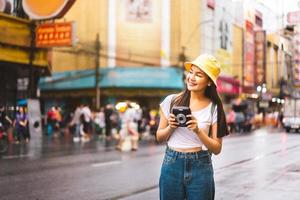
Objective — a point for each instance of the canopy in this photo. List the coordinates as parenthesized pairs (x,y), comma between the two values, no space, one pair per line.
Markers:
(118,77)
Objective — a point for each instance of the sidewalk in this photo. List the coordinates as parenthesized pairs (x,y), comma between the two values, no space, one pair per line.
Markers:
(48,146)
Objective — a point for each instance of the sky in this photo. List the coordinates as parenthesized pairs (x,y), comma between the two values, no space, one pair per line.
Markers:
(276,18)
(280,6)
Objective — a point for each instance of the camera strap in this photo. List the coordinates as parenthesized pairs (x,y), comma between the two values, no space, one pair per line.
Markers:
(172,103)
(211,117)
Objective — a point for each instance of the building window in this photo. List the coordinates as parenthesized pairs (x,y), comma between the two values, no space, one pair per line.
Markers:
(139,10)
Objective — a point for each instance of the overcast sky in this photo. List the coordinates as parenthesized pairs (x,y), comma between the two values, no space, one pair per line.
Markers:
(280,6)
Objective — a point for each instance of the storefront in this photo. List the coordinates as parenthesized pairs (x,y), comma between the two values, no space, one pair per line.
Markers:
(21,64)
(144,85)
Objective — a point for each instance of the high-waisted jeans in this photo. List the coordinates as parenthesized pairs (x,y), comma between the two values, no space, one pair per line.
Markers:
(186,176)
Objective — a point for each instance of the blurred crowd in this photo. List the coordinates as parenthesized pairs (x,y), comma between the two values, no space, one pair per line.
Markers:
(112,122)
(121,123)
(241,118)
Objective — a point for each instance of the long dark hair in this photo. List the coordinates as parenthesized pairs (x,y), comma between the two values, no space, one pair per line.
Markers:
(183,99)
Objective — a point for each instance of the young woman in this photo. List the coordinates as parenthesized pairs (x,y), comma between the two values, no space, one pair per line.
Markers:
(187,171)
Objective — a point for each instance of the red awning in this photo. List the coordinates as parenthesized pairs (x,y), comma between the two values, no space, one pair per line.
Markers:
(228,85)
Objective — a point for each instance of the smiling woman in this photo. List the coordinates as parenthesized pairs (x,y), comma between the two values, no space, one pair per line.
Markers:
(189,148)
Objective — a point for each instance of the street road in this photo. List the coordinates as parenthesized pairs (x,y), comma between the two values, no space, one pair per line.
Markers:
(262,165)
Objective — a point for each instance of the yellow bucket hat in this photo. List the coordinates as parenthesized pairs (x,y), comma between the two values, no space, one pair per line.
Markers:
(208,64)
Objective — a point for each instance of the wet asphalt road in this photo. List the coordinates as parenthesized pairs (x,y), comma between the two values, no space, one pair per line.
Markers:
(262,165)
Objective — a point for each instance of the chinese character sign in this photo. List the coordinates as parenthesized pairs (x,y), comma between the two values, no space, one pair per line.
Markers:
(55,34)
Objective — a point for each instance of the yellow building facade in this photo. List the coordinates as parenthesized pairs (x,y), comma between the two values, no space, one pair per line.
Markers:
(127,40)
(150,33)
(90,18)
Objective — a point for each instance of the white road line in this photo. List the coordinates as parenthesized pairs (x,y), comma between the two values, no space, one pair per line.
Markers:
(16,156)
(106,163)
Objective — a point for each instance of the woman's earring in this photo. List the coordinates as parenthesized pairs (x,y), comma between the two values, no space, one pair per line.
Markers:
(208,85)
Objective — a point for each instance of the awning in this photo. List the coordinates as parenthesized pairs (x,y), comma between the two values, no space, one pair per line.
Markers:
(118,77)
(228,85)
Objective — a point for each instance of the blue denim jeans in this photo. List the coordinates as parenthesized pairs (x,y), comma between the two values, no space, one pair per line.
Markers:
(186,176)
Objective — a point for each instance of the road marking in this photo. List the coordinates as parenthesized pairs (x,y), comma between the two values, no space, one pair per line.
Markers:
(129,194)
(16,156)
(106,163)
(255,158)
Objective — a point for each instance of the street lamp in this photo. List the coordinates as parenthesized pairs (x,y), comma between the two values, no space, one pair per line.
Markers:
(258,89)
(261,88)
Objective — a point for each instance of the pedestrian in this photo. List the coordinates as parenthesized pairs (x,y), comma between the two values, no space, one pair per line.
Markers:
(108,111)
(51,120)
(57,121)
(99,121)
(187,171)
(85,118)
(128,128)
(21,125)
(230,118)
(75,123)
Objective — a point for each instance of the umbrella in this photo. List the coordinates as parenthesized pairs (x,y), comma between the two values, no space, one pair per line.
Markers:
(22,102)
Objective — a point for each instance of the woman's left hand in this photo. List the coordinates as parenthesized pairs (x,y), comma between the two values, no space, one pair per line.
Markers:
(192,124)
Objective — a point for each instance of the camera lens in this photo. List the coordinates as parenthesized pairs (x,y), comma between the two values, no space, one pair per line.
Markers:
(181,119)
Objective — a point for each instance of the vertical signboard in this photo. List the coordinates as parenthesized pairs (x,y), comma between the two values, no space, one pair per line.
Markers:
(248,71)
(296,55)
(260,57)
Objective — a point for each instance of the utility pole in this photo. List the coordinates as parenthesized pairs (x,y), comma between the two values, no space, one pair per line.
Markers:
(182,59)
(32,77)
(97,67)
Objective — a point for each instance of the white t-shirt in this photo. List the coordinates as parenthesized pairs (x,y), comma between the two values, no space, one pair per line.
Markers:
(184,138)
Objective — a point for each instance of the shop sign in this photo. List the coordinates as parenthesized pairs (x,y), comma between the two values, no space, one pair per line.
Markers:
(22,84)
(55,34)
(296,57)
(37,9)
(260,57)
(248,71)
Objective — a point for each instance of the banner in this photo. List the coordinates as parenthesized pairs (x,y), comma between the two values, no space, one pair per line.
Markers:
(260,57)
(248,71)
(296,57)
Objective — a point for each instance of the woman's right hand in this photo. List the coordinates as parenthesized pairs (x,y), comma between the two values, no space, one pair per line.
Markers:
(173,124)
